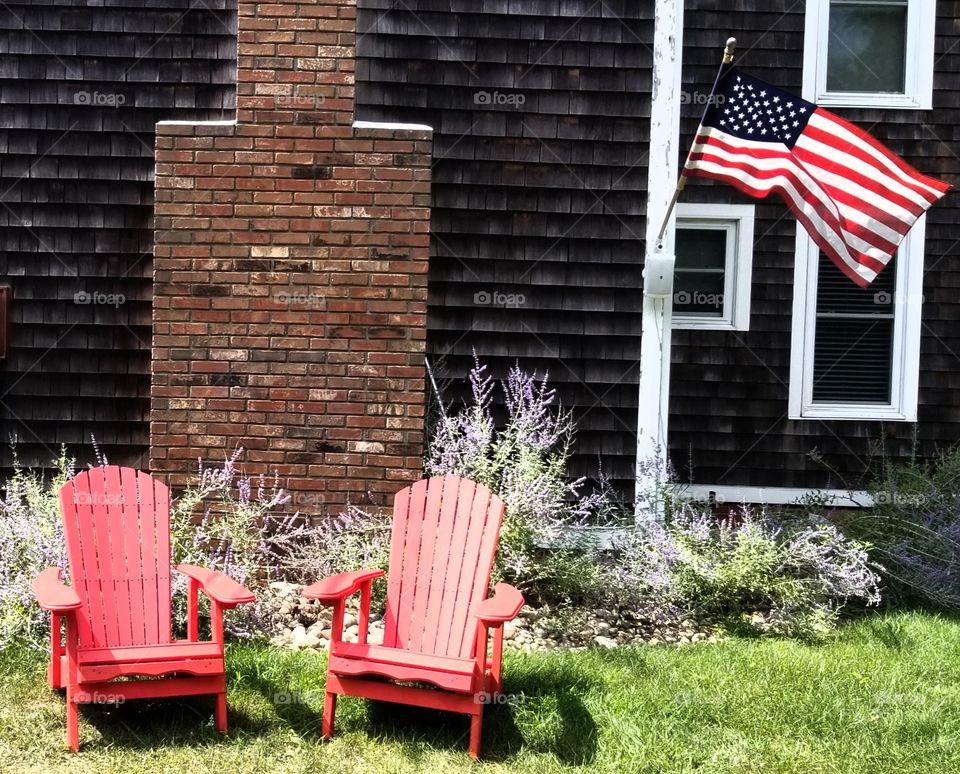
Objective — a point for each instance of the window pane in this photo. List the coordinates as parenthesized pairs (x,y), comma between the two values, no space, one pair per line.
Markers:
(867,47)
(701,248)
(698,293)
(853,346)
(699,276)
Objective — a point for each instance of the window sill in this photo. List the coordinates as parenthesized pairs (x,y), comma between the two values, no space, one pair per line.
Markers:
(853,413)
(868,100)
(705,324)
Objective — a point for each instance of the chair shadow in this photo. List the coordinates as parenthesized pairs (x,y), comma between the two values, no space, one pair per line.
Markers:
(148,723)
(564,729)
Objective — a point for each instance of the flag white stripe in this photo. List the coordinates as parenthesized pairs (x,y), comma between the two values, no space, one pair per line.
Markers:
(854,241)
(840,160)
(827,124)
(815,218)
(862,218)
(841,210)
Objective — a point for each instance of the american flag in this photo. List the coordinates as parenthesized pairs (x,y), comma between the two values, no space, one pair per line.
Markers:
(855,197)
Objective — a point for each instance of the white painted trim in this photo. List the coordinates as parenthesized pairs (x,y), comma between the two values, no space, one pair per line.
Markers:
(772,495)
(738,220)
(662,175)
(392,126)
(905,362)
(918,78)
(224,122)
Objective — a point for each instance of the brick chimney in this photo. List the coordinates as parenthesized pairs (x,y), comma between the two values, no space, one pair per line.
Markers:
(290,274)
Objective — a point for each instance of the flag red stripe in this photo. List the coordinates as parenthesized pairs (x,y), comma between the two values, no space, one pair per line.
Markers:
(827,218)
(833,220)
(814,133)
(853,200)
(807,157)
(821,242)
(837,221)
(909,173)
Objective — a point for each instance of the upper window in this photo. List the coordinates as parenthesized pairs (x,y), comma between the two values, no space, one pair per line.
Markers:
(855,351)
(711,281)
(869,53)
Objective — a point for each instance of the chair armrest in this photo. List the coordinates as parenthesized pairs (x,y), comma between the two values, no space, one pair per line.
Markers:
(223,590)
(336,587)
(53,594)
(503,606)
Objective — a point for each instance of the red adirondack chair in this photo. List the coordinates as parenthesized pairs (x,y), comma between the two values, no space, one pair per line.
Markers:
(438,616)
(117,610)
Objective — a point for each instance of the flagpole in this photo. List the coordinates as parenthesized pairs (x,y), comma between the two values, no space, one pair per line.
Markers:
(682,180)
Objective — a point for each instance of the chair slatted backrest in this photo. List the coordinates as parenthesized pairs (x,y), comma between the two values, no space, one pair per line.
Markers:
(117,527)
(442,546)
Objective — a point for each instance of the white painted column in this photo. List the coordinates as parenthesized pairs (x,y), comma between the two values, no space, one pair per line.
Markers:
(662,176)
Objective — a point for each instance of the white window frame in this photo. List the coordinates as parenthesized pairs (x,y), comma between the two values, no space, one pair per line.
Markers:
(737,220)
(918,78)
(905,360)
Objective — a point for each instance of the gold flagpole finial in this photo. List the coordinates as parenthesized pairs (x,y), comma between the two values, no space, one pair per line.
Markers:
(728,51)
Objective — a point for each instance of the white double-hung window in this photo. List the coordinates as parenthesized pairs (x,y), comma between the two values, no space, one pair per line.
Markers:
(869,53)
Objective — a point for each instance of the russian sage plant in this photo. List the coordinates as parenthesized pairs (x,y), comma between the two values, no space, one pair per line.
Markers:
(913,528)
(31,539)
(797,575)
(524,462)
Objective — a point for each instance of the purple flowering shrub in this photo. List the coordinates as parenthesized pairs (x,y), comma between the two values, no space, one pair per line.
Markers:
(302,551)
(913,529)
(224,521)
(794,576)
(31,539)
(524,462)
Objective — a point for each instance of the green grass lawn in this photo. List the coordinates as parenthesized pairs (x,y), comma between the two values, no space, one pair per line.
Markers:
(882,696)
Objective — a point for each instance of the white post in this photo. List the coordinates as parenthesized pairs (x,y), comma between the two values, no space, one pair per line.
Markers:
(662,176)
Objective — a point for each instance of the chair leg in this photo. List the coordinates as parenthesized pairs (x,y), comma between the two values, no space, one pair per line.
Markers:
(476,724)
(329,713)
(221,713)
(73,722)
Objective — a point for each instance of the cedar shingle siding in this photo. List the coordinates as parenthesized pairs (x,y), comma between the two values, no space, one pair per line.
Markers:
(541,112)
(81,88)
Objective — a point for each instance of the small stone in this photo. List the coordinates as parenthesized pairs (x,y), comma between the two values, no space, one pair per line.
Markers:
(349,620)
(283,589)
(298,637)
(604,642)
(509,631)
(326,633)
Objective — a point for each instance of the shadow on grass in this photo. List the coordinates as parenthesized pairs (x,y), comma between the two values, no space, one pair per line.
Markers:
(150,723)
(541,710)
